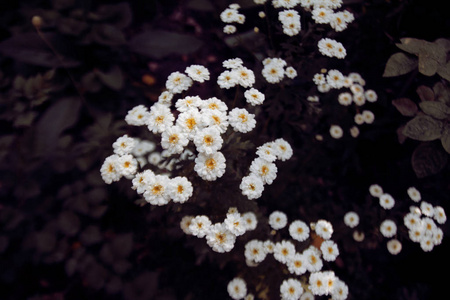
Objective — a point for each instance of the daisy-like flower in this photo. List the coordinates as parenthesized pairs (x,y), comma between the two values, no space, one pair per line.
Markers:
(335,79)
(438,235)
(375,190)
(252,186)
(178,82)
(143,147)
(140,181)
(229,15)
(414,194)
(255,251)
(351,219)
(197,73)
(174,139)
(210,166)
(241,120)
(313,261)
(208,140)
(357,89)
(188,103)
(250,220)
(359,99)
(269,246)
(345,99)
(156,192)
(429,226)
(216,119)
(233,63)
(324,229)
(368,116)
(427,209)
(273,72)
(283,251)
(356,78)
(190,121)
(322,15)
(154,158)
(339,291)
(354,131)
(297,264)
(337,21)
(220,239)
(124,145)
(267,152)
(180,189)
(235,223)
(416,234)
(137,116)
(228,79)
(340,51)
(290,72)
(200,226)
(254,97)
(336,131)
(427,243)
(331,48)
(394,246)
(277,220)
(291,289)
(319,79)
(439,215)
(237,288)
(292,27)
(165,98)
(213,104)
(110,170)
(359,119)
(387,201)
(229,29)
(127,165)
(329,250)
(371,95)
(160,118)
(246,77)
(388,228)
(299,231)
(185,223)
(283,149)
(266,170)
(319,282)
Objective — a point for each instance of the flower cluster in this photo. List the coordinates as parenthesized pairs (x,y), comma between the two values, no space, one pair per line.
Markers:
(231,15)
(275,68)
(263,169)
(221,236)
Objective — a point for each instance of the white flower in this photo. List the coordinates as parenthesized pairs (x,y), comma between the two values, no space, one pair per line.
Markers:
(143,147)
(394,246)
(210,166)
(354,131)
(277,220)
(250,221)
(190,121)
(266,170)
(283,251)
(336,131)
(376,190)
(339,290)
(245,76)
(351,219)
(319,79)
(357,89)
(329,250)
(127,165)
(321,15)
(416,234)
(359,119)
(178,82)
(165,98)
(254,97)
(232,63)
(220,239)
(359,99)
(252,186)
(291,289)
(160,118)
(313,261)
(255,251)
(229,29)
(427,209)
(414,194)
(439,215)
(187,103)
(307,295)
(290,72)
(241,120)
(337,21)
(154,158)
(137,116)
(235,223)
(427,243)
(412,221)
(140,181)
(197,73)
(388,228)
(371,95)
(331,48)
(322,283)
(156,192)
(229,15)
(267,152)
(200,226)
(368,116)
(269,246)
(345,98)
(124,145)
(292,27)
(185,223)
(216,119)
(180,189)
(109,169)
(213,104)
(299,231)
(335,79)
(174,139)
(297,264)
(387,201)
(237,289)
(228,79)
(208,140)
(324,229)
(273,72)
(283,149)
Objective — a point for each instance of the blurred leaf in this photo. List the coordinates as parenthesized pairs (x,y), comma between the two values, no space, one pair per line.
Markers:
(106,34)
(25,119)
(68,223)
(27,189)
(62,115)
(405,106)
(122,245)
(112,79)
(118,15)
(30,48)
(428,159)
(63,4)
(44,241)
(71,26)
(425,93)
(435,109)
(444,71)
(444,43)
(445,138)
(158,43)
(200,5)
(423,128)
(91,82)
(90,235)
(399,64)
(427,65)
(144,286)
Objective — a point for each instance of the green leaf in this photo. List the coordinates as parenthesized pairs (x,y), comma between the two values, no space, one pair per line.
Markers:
(405,106)
(423,128)
(428,159)
(112,79)
(399,64)
(157,43)
(445,138)
(435,109)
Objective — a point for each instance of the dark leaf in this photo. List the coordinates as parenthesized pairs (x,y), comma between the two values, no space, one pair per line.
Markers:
(108,35)
(119,14)
(428,159)
(425,93)
(399,64)
(435,109)
(444,71)
(405,106)
(423,128)
(445,138)
(68,223)
(112,79)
